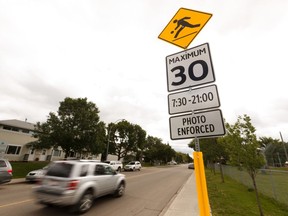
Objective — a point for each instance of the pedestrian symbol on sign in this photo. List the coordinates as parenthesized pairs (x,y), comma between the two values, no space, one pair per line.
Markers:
(183,23)
(184,27)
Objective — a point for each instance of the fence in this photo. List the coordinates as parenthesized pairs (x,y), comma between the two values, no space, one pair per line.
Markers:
(272,183)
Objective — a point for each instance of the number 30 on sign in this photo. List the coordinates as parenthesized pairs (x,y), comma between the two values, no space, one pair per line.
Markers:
(189,68)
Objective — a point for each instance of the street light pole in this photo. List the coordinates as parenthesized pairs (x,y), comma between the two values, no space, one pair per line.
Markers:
(284,147)
(108,136)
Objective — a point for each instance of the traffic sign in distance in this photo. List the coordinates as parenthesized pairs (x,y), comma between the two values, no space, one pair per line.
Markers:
(189,68)
(201,124)
(193,100)
(184,27)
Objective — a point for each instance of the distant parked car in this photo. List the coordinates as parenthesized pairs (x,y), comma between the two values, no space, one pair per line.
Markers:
(191,166)
(172,163)
(132,166)
(117,165)
(5,171)
(77,183)
(36,175)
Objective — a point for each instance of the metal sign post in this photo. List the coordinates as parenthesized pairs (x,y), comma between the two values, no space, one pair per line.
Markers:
(197,145)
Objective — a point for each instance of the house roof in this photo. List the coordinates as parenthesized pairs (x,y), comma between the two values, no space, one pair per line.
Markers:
(18,124)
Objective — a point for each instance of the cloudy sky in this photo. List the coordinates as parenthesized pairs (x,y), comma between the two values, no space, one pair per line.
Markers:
(109,52)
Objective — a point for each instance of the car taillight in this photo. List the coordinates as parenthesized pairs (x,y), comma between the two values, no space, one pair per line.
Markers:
(72,185)
(39,181)
(9,171)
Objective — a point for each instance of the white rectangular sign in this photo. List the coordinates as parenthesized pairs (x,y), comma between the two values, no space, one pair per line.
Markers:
(191,67)
(201,124)
(193,100)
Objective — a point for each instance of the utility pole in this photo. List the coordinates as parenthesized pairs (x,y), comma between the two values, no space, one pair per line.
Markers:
(284,147)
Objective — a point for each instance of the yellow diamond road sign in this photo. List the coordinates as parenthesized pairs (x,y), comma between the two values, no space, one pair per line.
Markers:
(184,27)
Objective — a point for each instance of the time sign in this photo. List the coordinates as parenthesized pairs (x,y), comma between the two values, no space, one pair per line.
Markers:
(193,100)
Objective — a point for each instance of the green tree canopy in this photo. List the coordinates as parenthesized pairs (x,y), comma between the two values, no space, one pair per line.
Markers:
(274,150)
(243,148)
(241,143)
(212,150)
(126,138)
(76,127)
(157,151)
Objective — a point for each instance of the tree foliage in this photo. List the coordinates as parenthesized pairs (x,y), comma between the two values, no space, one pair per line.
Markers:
(182,158)
(241,143)
(213,151)
(157,151)
(75,127)
(126,138)
(274,151)
(243,148)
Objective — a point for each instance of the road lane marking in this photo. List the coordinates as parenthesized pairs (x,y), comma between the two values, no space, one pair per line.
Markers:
(16,203)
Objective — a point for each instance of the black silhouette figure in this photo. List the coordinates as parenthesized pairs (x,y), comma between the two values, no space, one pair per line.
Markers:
(182,23)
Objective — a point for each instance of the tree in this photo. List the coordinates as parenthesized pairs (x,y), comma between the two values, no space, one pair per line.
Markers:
(213,151)
(126,138)
(243,148)
(273,151)
(150,150)
(182,158)
(76,127)
(156,151)
(139,139)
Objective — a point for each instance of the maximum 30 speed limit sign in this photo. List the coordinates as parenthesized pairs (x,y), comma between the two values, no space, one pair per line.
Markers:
(189,68)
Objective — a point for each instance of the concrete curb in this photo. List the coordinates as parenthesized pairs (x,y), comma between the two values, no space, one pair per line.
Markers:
(17,181)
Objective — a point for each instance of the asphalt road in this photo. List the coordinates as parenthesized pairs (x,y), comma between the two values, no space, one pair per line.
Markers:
(147,193)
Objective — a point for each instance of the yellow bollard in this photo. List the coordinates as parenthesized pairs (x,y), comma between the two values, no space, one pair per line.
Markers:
(203,201)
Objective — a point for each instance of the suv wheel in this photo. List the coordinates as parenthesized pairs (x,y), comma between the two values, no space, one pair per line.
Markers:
(85,203)
(120,190)
(119,169)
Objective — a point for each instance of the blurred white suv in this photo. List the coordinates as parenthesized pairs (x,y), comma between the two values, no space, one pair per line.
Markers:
(132,166)
(117,165)
(78,183)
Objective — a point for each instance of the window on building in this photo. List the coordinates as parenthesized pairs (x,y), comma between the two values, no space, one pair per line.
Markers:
(57,153)
(25,131)
(32,151)
(10,128)
(44,152)
(12,149)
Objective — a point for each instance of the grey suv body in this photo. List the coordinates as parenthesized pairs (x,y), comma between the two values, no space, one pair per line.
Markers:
(5,171)
(78,183)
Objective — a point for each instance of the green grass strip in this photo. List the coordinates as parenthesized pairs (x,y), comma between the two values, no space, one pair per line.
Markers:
(232,198)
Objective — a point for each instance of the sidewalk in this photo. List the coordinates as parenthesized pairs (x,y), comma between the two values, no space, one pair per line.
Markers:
(185,202)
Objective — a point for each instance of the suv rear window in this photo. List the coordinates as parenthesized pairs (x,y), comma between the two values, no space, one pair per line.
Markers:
(60,170)
(2,163)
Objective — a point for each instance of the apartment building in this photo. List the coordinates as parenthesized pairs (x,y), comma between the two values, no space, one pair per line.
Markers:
(14,137)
